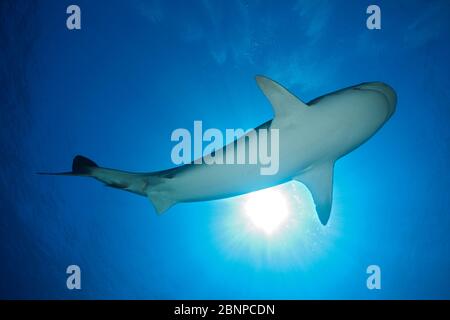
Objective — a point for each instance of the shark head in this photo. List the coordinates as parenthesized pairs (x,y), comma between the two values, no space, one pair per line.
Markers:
(386,92)
(365,108)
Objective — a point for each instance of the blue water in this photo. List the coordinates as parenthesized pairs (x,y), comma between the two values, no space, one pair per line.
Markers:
(116,89)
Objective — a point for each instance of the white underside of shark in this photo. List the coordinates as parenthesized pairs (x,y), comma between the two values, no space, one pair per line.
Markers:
(312,137)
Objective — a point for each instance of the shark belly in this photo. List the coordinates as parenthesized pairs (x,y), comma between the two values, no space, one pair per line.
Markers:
(200,182)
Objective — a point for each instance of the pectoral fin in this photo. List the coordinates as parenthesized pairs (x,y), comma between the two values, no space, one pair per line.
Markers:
(319,181)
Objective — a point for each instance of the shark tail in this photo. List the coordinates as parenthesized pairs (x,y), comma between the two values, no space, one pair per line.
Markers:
(151,185)
(81,166)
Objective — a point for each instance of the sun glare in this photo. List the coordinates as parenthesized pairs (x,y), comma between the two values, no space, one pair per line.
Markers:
(267,210)
(275,228)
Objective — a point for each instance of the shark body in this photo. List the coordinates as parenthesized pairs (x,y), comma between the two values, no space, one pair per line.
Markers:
(312,136)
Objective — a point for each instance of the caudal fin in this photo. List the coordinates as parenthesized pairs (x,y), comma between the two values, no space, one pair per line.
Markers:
(151,185)
(81,166)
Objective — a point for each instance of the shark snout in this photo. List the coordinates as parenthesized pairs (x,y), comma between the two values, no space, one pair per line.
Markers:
(387,91)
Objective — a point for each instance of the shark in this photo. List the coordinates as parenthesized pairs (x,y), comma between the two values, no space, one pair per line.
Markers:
(312,137)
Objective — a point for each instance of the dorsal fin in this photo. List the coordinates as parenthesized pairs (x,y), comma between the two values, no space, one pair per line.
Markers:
(283,102)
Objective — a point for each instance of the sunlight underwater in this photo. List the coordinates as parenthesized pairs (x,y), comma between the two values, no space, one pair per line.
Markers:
(275,228)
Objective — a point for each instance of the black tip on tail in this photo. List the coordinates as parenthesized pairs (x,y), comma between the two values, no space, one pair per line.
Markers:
(80,166)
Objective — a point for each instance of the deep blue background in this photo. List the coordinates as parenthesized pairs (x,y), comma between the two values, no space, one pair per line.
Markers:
(137,70)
